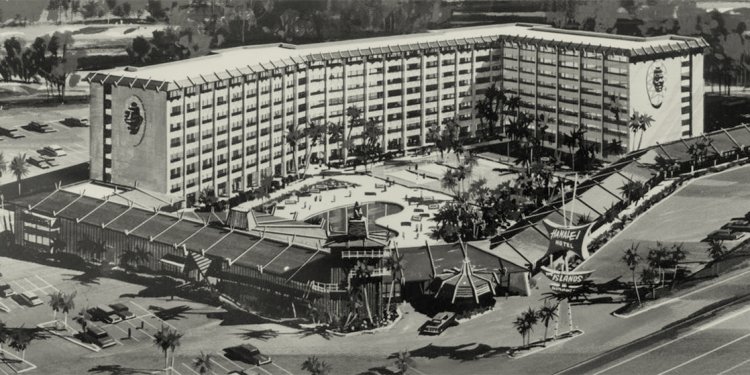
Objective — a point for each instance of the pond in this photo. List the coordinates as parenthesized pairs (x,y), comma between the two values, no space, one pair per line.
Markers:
(337,217)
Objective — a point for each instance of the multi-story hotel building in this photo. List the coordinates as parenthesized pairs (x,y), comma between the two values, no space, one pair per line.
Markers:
(220,121)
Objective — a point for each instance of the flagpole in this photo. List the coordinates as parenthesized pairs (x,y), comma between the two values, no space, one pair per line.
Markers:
(573,203)
(565,217)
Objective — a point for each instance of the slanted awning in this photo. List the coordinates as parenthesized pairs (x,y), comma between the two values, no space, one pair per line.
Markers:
(174,260)
(201,263)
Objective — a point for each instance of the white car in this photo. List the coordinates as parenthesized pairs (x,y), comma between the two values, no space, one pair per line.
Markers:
(55,150)
(31,299)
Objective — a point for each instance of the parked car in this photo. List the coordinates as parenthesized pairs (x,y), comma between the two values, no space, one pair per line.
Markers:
(6,291)
(439,323)
(75,122)
(104,314)
(30,299)
(98,336)
(122,311)
(38,162)
(248,353)
(243,372)
(41,128)
(55,150)
(11,133)
(724,235)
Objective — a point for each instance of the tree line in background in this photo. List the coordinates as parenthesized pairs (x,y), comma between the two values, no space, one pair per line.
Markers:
(203,24)
(728,60)
(49,60)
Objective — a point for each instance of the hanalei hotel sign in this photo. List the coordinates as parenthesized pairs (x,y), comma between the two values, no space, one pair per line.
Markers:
(568,238)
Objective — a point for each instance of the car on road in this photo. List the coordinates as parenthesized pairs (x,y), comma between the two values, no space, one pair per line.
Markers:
(122,311)
(439,323)
(248,353)
(98,336)
(55,150)
(41,128)
(104,314)
(11,133)
(6,290)
(31,299)
(243,372)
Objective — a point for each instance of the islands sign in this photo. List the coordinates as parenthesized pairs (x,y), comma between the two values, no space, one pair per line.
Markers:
(565,281)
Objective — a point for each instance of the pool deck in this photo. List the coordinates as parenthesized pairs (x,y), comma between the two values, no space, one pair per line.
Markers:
(416,234)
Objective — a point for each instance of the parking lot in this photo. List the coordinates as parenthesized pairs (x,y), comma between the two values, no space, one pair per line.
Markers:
(208,329)
(73,140)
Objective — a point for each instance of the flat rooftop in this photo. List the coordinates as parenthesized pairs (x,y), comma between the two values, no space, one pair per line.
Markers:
(224,64)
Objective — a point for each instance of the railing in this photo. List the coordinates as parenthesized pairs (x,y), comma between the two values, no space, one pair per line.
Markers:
(325,287)
(366,253)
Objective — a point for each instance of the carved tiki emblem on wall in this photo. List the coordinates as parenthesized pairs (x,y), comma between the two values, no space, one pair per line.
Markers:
(134,115)
(655,83)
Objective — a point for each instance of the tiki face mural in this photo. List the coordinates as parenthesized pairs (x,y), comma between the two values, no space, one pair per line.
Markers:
(655,83)
(134,115)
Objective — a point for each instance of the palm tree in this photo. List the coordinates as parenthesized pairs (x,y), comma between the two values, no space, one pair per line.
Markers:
(546,313)
(3,164)
(293,136)
(677,255)
(202,363)
(336,135)
(632,259)
(650,277)
(20,339)
(67,304)
(20,168)
(361,273)
(698,150)
(449,181)
(403,361)
(315,366)
(4,334)
(639,123)
(134,256)
(716,250)
(531,318)
(522,326)
(314,133)
(55,302)
(633,191)
(167,339)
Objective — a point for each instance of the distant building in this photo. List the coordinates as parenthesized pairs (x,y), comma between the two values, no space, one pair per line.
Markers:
(220,121)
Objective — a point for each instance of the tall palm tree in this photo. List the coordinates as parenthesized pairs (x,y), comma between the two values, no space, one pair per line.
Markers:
(531,318)
(67,304)
(336,136)
(522,326)
(167,339)
(3,164)
(293,136)
(639,123)
(314,133)
(202,363)
(546,314)
(55,302)
(362,273)
(632,259)
(449,181)
(20,168)
(315,366)
(677,255)
(633,191)
(403,361)
(20,339)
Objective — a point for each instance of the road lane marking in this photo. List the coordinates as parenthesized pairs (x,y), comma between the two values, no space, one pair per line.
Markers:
(415,370)
(697,330)
(261,369)
(33,286)
(152,314)
(191,370)
(691,360)
(734,367)
(171,370)
(19,286)
(281,368)
(219,364)
(125,332)
(48,284)
(143,331)
(230,361)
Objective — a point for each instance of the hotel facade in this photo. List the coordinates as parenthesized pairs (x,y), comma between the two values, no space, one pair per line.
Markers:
(220,121)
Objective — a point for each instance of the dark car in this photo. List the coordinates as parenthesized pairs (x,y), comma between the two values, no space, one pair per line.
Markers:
(248,353)
(439,323)
(6,291)
(74,122)
(41,128)
(724,235)
(122,311)
(104,314)
(98,336)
